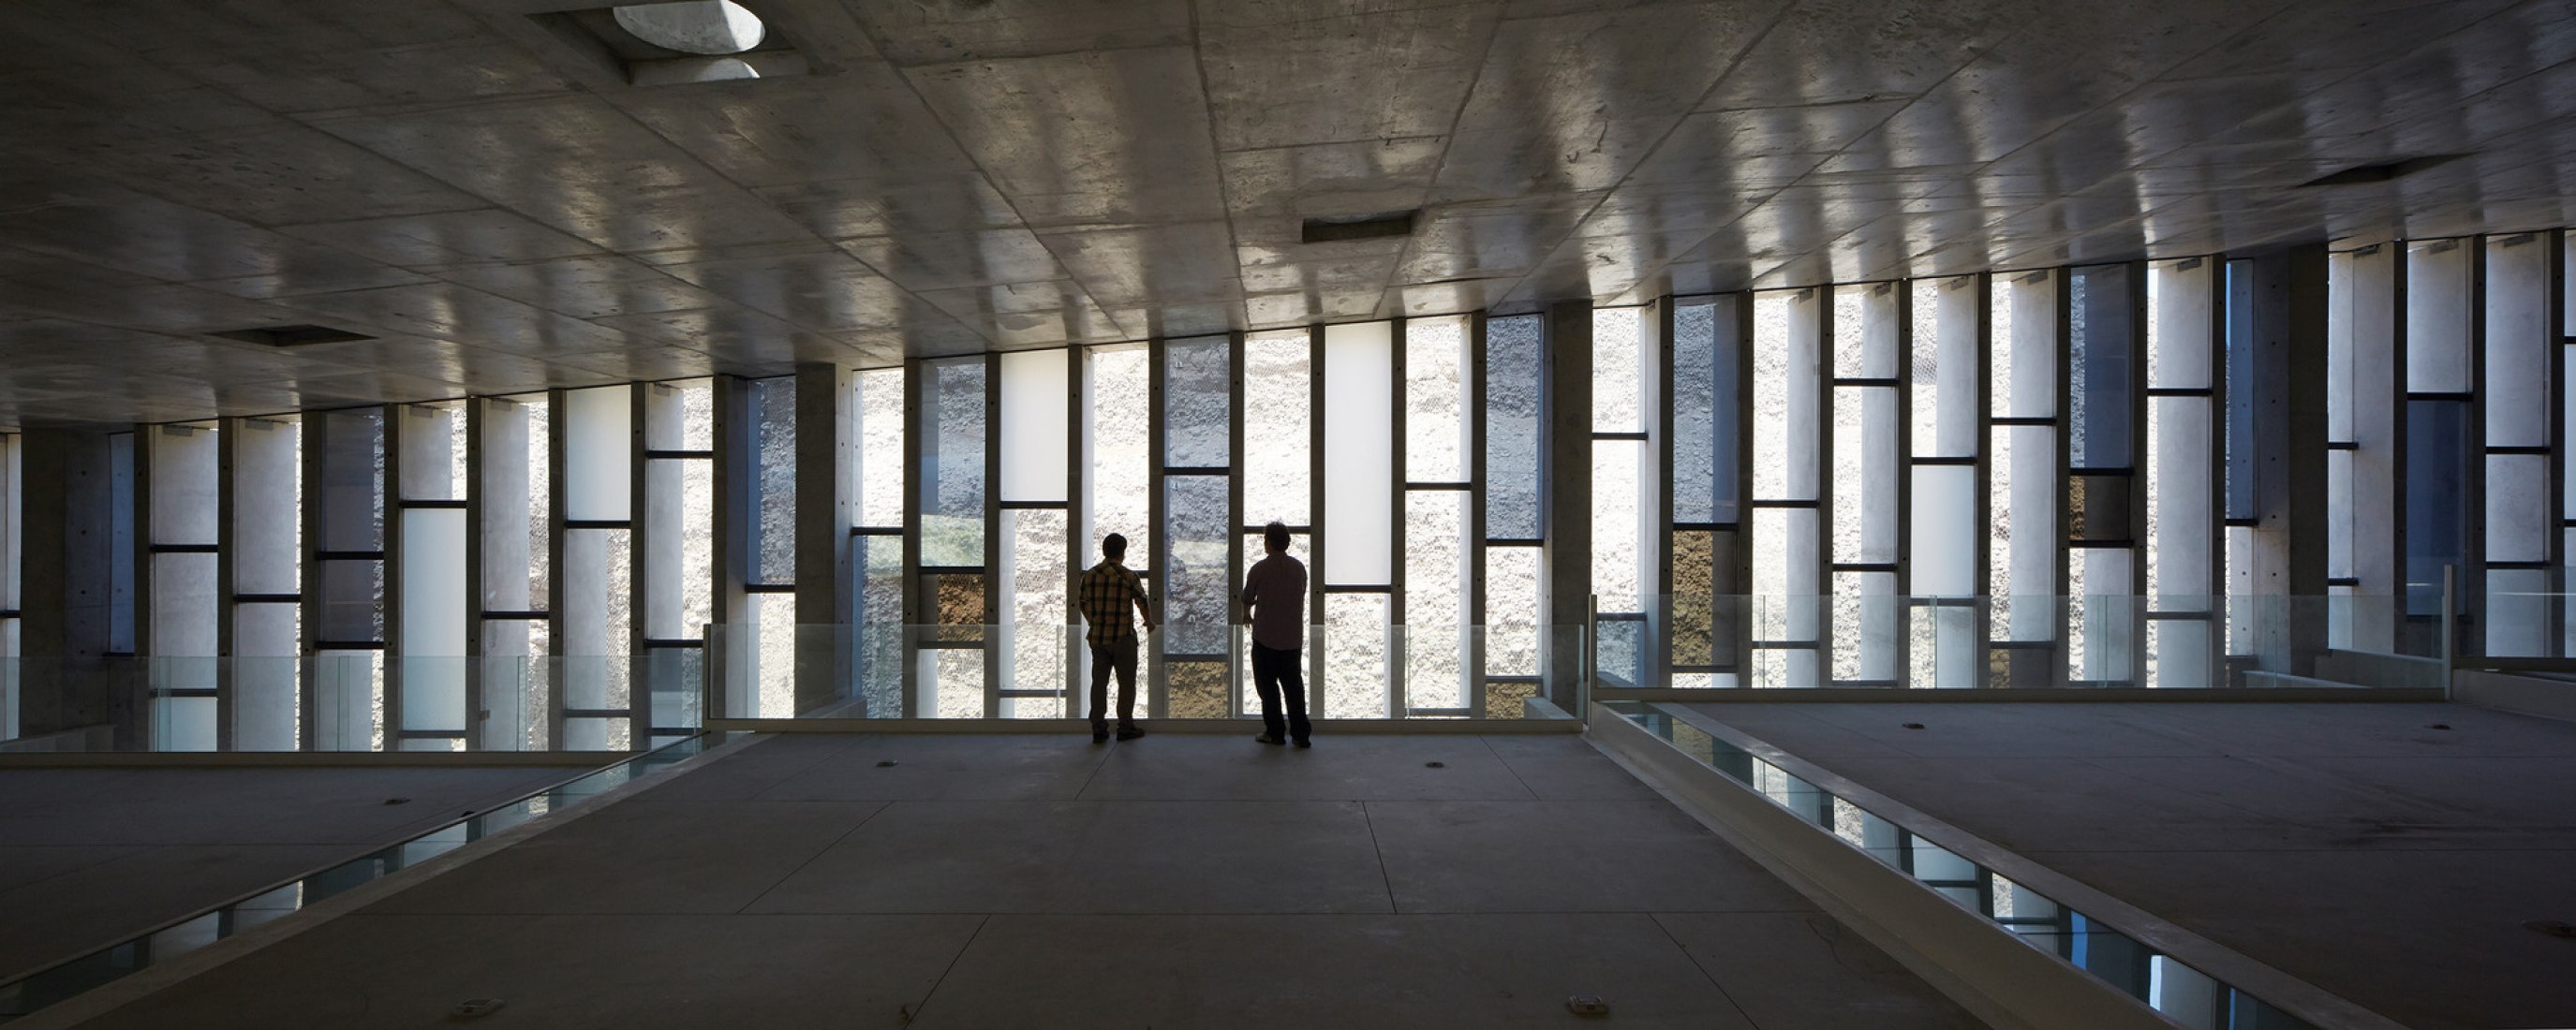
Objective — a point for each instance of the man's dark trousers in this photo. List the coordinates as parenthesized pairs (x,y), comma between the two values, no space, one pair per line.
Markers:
(1270,669)
(1118,655)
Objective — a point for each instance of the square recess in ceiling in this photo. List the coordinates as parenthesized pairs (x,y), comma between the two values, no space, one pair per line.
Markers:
(291,335)
(669,44)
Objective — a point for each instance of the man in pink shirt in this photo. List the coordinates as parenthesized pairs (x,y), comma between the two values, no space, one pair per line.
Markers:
(1274,599)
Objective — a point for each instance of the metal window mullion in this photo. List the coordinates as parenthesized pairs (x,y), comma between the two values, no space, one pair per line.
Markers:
(2471,505)
(1158,510)
(993,546)
(2061,305)
(313,440)
(139,504)
(1981,396)
(389,441)
(916,421)
(2553,546)
(1237,654)
(1658,553)
(1821,583)
(1077,522)
(639,535)
(558,437)
(1738,567)
(227,603)
(1902,662)
(1316,537)
(1398,634)
(2214,663)
(2141,461)
(476,424)
(1473,603)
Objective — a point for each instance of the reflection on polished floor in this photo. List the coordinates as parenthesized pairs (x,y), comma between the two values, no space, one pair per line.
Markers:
(1178,881)
(2388,853)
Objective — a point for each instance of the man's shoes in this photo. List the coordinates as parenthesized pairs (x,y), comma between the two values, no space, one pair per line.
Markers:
(1130,732)
(1267,738)
(1303,742)
(1100,736)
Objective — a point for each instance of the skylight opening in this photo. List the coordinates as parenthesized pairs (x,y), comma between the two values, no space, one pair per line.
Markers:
(711,28)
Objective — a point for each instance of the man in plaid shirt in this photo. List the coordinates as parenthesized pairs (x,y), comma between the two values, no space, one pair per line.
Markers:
(1104,595)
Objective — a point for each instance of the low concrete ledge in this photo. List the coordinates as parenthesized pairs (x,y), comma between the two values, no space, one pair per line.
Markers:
(1977,963)
(309,759)
(1081,727)
(2546,696)
(2326,691)
(98,1001)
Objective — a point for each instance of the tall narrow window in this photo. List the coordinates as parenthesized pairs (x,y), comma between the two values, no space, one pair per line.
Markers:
(1868,442)
(514,481)
(2105,513)
(1118,465)
(182,588)
(2184,485)
(1437,451)
(1036,586)
(1706,607)
(1192,568)
(876,543)
(345,506)
(2521,511)
(2440,502)
(594,587)
(1946,541)
(1790,387)
(1357,542)
(1624,403)
(955,555)
(1513,618)
(1279,398)
(675,563)
(2024,578)
(428,663)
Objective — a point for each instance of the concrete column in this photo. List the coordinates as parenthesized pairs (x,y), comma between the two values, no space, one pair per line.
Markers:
(1565,495)
(2281,307)
(67,586)
(822,529)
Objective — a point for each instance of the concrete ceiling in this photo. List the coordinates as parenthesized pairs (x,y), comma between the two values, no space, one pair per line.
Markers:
(505,213)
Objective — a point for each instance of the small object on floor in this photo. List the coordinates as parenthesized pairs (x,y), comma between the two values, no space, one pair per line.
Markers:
(886,764)
(476,1008)
(1435,765)
(398,801)
(1587,1005)
(1913,725)
(2439,726)
(1268,739)
(1130,732)
(2552,927)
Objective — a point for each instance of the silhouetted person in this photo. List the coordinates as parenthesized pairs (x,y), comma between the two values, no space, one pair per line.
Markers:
(1107,591)
(1274,598)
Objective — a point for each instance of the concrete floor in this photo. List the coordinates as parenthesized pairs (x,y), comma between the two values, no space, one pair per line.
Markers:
(1177,881)
(2347,844)
(90,857)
